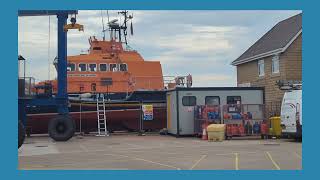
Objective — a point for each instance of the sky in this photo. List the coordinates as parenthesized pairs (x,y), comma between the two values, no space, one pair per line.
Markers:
(200,43)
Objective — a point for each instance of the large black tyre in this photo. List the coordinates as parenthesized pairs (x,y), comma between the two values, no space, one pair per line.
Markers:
(299,133)
(61,128)
(21,134)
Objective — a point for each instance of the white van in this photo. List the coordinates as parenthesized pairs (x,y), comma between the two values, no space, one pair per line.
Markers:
(291,114)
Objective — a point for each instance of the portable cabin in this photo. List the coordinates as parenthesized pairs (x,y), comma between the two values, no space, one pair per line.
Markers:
(181,103)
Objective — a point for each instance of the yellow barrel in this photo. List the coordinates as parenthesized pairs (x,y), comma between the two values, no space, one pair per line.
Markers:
(216,132)
(275,126)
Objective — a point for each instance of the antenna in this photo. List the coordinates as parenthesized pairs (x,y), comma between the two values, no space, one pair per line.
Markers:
(120,27)
(108,16)
(103,30)
(131,27)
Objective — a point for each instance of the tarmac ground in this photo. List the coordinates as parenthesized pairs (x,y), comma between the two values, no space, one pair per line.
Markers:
(155,152)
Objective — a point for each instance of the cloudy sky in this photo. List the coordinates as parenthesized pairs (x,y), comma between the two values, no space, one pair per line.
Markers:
(202,43)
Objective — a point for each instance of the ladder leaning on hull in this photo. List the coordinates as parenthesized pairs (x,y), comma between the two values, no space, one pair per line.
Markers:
(101,117)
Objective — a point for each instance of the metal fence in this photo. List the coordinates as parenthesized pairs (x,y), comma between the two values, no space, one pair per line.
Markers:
(205,115)
(244,119)
(241,119)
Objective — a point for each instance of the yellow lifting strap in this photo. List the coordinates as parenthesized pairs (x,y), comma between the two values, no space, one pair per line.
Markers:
(73,26)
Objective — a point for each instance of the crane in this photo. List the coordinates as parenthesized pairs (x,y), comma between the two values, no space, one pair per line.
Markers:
(61,127)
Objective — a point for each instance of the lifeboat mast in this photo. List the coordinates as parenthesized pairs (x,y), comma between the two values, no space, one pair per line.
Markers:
(117,29)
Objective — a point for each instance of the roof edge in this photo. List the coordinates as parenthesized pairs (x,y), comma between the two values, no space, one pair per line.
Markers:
(269,53)
(259,56)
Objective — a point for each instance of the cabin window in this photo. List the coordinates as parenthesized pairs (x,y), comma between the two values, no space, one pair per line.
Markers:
(261,67)
(71,67)
(103,67)
(82,67)
(234,104)
(189,100)
(113,67)
(212,100)
(275,64)
(92,67)
(123,67)
(233,99)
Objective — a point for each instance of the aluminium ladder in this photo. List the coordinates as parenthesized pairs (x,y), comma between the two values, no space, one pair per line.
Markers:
(101,117)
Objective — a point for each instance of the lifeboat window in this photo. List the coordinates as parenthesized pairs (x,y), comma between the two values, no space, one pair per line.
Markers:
(81,86)
(123,67)
(71,67)
(92,67)
(113,67)
(96,48)
(93,87)
(82,67)
(103,67)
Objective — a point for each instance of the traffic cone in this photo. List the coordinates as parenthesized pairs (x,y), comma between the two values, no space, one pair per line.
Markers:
(204,134)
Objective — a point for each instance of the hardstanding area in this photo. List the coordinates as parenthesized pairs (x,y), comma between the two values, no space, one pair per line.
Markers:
(129,151)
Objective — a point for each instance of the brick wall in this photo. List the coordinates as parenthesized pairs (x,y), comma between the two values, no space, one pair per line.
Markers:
(290,69)
(293,59)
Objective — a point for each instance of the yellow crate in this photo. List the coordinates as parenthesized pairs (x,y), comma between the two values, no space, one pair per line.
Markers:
(216,136)
(216,132)
(216,127)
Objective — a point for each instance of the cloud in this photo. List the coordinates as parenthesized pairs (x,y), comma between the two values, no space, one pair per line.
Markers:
(202,43)
(213,79)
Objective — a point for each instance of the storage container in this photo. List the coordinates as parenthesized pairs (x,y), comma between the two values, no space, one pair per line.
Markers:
(216,132)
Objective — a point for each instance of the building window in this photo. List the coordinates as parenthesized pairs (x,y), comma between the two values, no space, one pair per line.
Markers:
(113,67)
(92,67)
(123,67)
(189,100)
(275,64)
(71,67)
(261,67)
(103,67)
(212,100)
(82,67)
